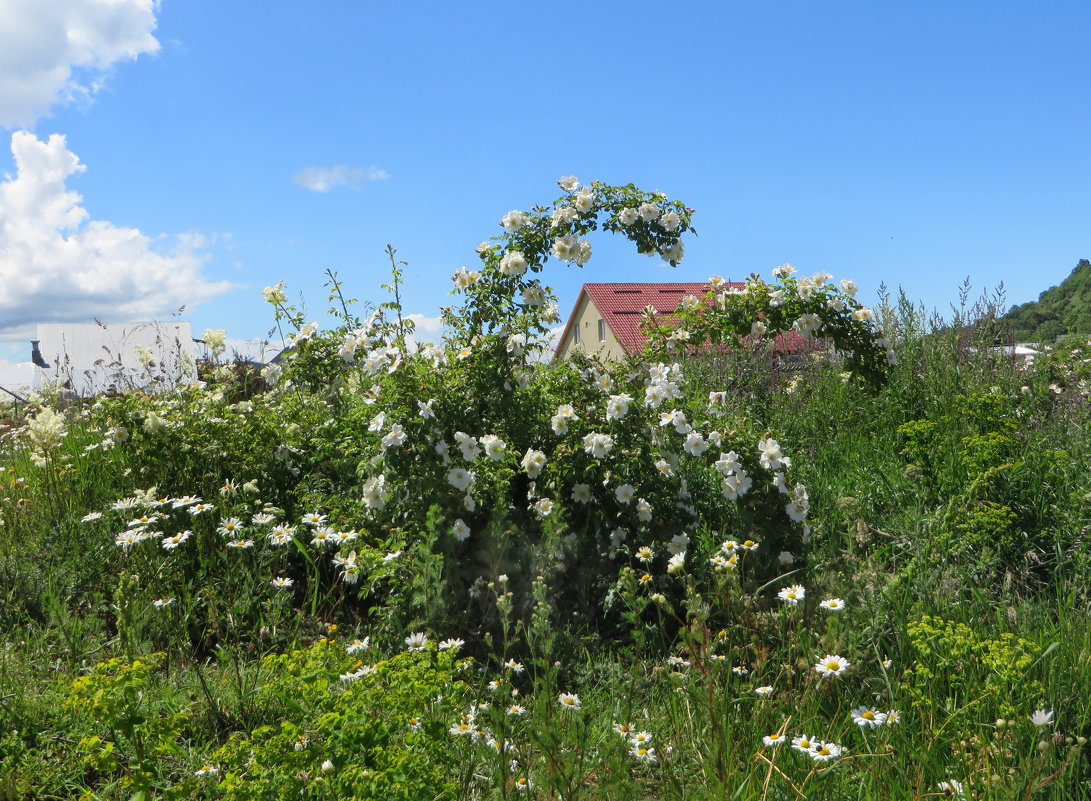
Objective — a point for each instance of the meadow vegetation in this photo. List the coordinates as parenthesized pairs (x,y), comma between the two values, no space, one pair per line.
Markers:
(392,571)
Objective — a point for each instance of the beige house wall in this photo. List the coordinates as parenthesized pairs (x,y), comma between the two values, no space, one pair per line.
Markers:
(585,319)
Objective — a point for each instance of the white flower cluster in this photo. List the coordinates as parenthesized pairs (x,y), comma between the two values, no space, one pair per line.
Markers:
(572,249)
(464,279)
(559,421)
(664,384)
(46,432)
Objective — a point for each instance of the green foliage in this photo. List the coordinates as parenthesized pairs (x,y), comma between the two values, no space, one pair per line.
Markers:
(972,457)
(138,731)
(955,663)
(1063,309)
(382,735)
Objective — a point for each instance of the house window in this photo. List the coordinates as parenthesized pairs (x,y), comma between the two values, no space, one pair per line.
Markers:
(576,334)
(602,330)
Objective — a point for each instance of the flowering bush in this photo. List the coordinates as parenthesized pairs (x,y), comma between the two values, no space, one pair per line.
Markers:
(802,308)
(522,466)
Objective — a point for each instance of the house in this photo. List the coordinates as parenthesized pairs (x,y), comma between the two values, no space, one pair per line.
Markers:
(606,318)
(605,321)
(91,358)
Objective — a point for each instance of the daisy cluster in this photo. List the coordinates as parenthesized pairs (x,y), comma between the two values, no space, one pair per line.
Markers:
(171,522)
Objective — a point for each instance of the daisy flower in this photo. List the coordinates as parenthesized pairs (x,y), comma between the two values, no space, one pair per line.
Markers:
(173,541)
(159,603)
(460,729)
(313,519)
(515,710)
(773,740)
(452,644)
(280,535)
(282,583)
(127,539)
(358,645)
(199,508)
(792,595)
(764,690)
(417,641)
(207,770)
(866,717)
(832,604)
(803,743)
(640,738)
(240,543)
(624,729)
(569,701)
(229,526)
(950,787)
(825,752)
(323,535)
(643,754)
(832,665)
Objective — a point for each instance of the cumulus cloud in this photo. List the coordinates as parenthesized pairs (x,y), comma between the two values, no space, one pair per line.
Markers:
(59,265)
(323,179)
(427,328)
(61,50)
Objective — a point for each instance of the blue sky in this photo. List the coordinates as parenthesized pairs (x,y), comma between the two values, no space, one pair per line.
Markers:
(911,144)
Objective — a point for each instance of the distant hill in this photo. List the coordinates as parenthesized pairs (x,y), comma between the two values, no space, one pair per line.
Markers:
(1064,309)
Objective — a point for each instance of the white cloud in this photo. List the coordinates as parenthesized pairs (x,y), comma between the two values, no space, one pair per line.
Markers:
(426,327)
(59,265)
(61,50)
(323,179)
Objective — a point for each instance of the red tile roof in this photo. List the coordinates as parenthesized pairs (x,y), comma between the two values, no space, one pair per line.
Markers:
(622,306)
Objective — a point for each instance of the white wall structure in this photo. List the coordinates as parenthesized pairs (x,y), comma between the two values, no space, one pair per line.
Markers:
(96,357)
(18,377)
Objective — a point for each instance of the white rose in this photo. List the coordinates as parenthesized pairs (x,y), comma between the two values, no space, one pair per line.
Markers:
(513,221)
(585,200)
(514,263)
